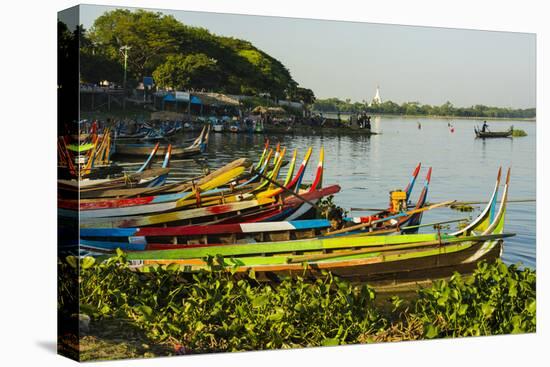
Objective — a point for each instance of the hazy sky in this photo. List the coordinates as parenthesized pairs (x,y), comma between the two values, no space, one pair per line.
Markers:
(349,59)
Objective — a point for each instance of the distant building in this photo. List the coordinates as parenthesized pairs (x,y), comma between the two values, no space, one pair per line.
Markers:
(377,99)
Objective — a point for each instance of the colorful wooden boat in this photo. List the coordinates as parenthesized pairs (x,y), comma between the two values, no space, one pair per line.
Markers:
(170,202)
(203,193)
(181,217)
(201,197)
(494,134)
(362,258)
(181,236)
(140,192)
(179,190)
(158,238)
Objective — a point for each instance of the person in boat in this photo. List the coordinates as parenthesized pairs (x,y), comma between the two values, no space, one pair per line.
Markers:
(367,122)
(336,219)
(485,127)
(419,125)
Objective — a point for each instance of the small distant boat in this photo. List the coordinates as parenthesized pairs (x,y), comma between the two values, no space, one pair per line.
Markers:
(235,128)
(494,134)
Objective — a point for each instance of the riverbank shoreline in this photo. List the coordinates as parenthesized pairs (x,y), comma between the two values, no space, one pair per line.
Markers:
(333,116)
(460,117)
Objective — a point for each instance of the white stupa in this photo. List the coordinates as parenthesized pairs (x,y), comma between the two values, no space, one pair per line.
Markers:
(377,99)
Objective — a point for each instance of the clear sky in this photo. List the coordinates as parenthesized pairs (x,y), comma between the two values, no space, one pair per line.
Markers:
(349,59)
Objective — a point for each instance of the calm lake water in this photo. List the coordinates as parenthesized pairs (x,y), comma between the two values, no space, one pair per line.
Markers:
(367,168)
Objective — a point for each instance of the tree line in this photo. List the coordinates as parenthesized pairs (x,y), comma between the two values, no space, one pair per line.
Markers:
(336,105)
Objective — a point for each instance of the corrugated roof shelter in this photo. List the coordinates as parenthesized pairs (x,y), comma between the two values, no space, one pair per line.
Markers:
(216,99)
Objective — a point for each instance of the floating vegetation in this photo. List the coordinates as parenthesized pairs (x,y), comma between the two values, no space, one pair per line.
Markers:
(462,207)
(518,133)
(171,312)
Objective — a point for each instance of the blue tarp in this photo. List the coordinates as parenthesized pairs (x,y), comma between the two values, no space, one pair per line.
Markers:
(196,100)
(169,98)
(148,81)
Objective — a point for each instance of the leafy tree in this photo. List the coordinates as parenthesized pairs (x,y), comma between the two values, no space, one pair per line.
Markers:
(150,36)
(189,71)
(305,95)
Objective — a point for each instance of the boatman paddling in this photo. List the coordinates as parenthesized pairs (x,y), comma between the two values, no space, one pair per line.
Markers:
(485,127)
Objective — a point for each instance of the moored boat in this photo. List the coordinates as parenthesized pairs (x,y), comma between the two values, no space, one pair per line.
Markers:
(494,134)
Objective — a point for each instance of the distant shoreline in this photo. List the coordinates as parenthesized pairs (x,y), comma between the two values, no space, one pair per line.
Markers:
(333,115)
(534,119)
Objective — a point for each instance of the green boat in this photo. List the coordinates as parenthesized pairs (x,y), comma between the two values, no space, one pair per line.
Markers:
(358,257)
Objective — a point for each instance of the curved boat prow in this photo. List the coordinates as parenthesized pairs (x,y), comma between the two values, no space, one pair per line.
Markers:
(318,182)
(262,157)
(166,162)
(290,171)
(411,183)
(416,219)
(275,173)
(484,219)
(149,160)
(204,141)
(495,228)
(497,224)
(300,175)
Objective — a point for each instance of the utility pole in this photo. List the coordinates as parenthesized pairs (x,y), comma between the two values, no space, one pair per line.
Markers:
(124,49)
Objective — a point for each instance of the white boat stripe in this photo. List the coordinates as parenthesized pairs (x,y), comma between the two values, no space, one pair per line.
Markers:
(266,227)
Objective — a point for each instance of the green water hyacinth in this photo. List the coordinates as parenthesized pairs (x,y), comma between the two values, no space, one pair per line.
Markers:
(497,299)
(212,311)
